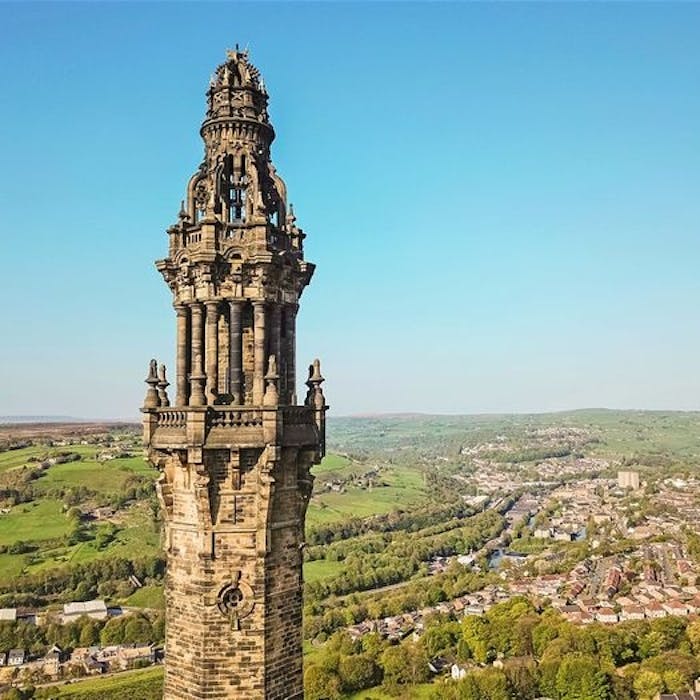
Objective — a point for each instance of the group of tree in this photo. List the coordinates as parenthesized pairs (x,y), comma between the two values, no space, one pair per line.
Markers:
(407,520)
(78,581)
(516,652)
(136,628)
(403,555)
(323,617)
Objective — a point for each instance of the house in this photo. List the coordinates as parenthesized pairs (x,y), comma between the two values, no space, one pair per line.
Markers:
(563,536)
(655,611)
(95,609)
(631,612)
(86,657)
(16,657)
(52,661)
(607,615)
(678,696)
(8,614)
(675,607)
(3,658)
(136,654)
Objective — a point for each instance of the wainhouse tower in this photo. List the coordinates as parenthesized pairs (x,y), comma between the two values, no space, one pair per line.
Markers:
(234,448)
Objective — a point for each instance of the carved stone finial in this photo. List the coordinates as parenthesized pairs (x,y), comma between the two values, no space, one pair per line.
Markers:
(152,400)
(272,368)
(291,216)
(271,397)
(314,396)
(163,385)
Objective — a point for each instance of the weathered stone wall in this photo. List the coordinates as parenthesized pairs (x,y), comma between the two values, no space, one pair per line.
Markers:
(216,541)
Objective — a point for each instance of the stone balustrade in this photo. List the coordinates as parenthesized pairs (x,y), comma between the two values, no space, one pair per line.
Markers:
(215,426)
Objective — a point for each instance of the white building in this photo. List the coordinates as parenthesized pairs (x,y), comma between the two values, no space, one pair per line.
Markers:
(628,480)
(96,609)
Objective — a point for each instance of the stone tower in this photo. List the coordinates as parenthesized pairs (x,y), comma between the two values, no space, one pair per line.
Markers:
(235,449)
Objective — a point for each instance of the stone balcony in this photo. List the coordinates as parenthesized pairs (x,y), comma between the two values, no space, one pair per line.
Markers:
(222,427)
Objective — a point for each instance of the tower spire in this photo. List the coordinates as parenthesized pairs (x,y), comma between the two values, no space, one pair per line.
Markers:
(234,448)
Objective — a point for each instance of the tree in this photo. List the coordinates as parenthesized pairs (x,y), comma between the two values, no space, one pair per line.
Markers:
(648,684)
(493,684)
(440,638)
(321,684)
(475,633)
(359,672)
(137,630)
(522,678)
(89,633)
(675,681)
(579,678)
(693,632)
(468,689)
(406,664)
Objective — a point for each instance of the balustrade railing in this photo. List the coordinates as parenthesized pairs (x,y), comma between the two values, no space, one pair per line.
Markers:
(225,417)
(171,418)
(228,418)
(191,237)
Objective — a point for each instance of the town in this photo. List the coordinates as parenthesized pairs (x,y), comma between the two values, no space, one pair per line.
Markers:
(549,515)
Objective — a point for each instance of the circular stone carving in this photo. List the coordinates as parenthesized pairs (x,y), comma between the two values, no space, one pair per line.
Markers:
(235,600)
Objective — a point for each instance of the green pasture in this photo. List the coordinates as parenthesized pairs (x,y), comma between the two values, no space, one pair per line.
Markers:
(135,538)
(11,565)
(336,466)
(146,684)
(415,692)
(19,458)
(104,477)
(404,488)
(321,568)
(33,522)
(147,597)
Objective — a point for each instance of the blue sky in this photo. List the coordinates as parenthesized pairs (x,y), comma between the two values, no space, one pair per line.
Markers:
(502,199)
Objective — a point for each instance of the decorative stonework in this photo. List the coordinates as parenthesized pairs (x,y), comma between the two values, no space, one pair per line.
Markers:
(234,449)
(236,601)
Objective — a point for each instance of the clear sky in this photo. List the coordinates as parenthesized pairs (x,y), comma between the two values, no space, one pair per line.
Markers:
(503,200)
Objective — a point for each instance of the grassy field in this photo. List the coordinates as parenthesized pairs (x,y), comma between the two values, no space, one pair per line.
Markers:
(43,522)
(32,522)
(147,597)
(103,477)
(316,570)
(335,467)
(19,458)
(404,487)
(416,692)
(146,684)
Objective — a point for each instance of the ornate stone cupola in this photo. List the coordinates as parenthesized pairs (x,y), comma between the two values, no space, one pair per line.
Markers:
(234,448)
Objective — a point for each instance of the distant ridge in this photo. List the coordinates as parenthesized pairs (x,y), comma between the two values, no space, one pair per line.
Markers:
(409,415)
(16,420)
(43,419)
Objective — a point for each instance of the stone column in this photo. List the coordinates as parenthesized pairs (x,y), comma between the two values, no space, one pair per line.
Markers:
(290,351)
(197,378)
(235,359)
(259,343)
(276,332)
(181,382)
(212,350)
